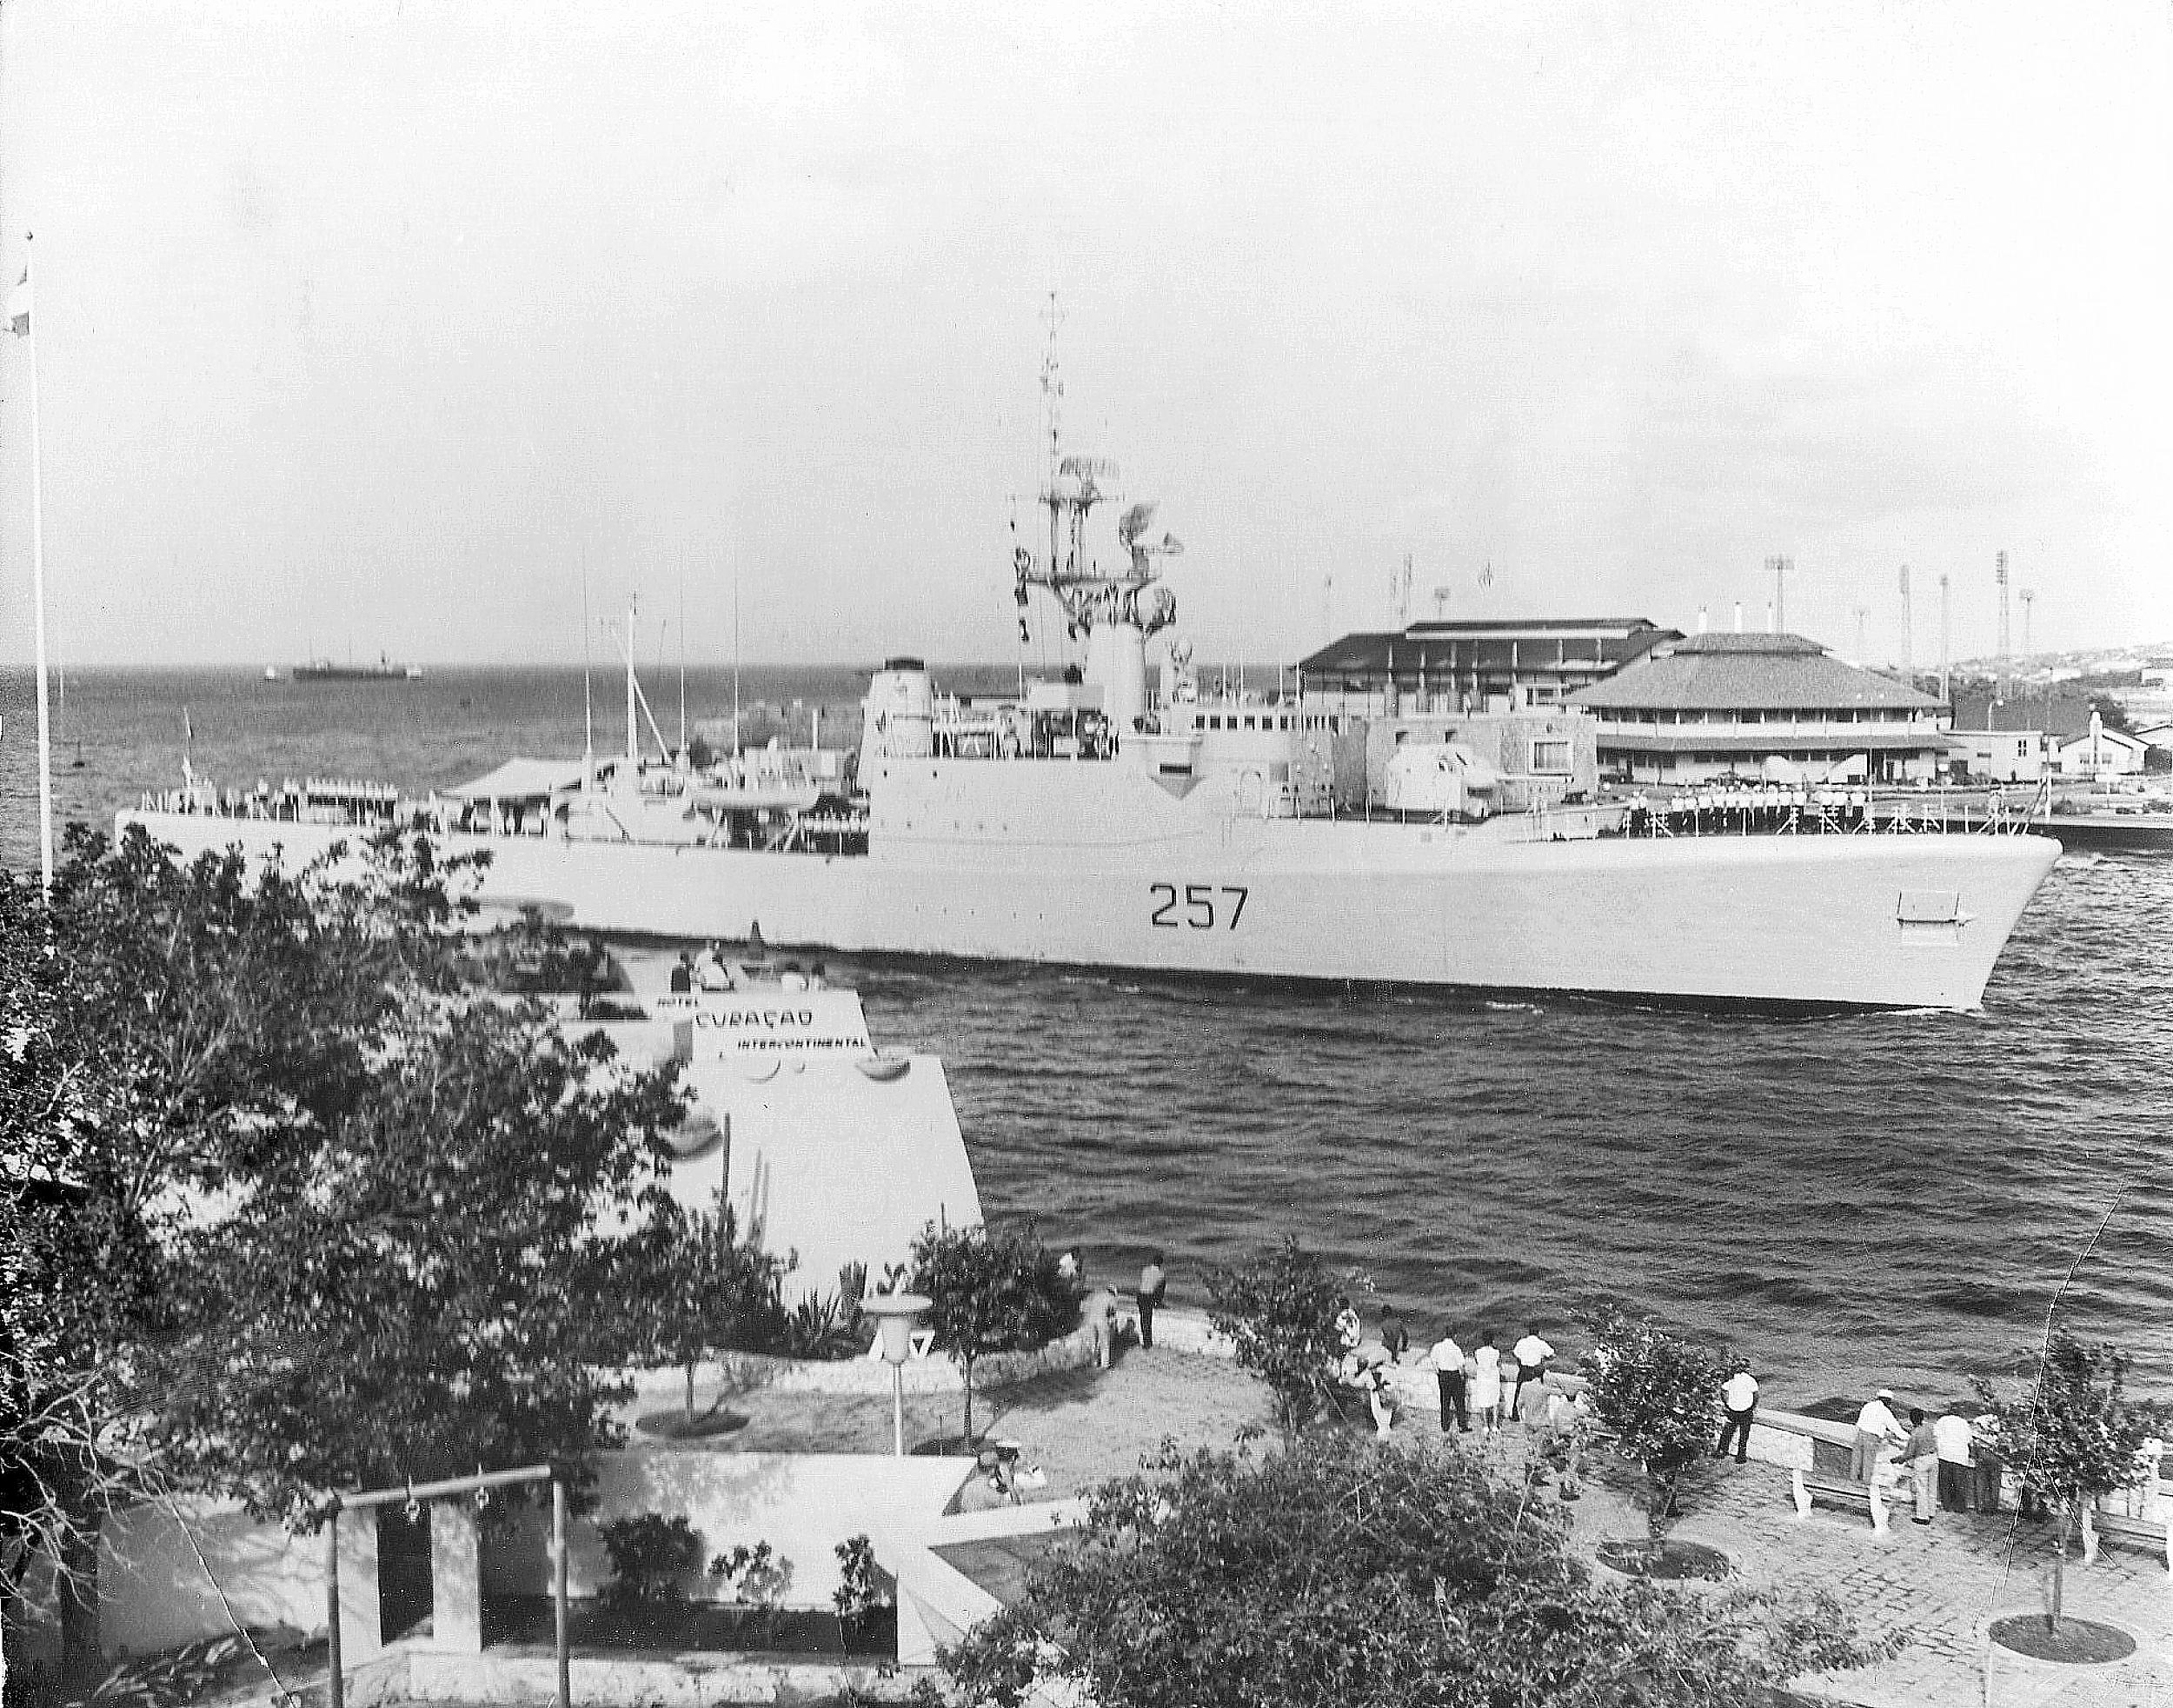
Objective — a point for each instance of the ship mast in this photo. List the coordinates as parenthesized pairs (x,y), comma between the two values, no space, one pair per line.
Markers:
(1117,611)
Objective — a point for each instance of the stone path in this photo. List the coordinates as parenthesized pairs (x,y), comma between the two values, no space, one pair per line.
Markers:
(1940,1587)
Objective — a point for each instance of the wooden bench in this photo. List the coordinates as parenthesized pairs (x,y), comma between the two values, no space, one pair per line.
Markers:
(1852,1496)
(2117,1530)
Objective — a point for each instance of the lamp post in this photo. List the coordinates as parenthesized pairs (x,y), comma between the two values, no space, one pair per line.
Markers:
(896,1315)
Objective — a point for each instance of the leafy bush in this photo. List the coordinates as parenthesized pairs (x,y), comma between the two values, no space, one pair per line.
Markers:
(651,1558)
(1279,1311)
(2075,1435)
(1661,1395)
(686,1287)
(755,1577)
(827,1325)
(1370,1576)
(863,1586)
(990,1292)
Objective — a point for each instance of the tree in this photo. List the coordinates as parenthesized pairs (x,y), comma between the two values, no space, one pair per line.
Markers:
(264,1126)
(79,1281)
(169,1026)
(1279,1311)
(409,1296)
(988,1293)
(1660,1395)
(1368,1574)
(2075,1435)
(705,1290)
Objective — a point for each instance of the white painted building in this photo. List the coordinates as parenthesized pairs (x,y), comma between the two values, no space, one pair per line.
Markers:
(2004,756)
(2103,753)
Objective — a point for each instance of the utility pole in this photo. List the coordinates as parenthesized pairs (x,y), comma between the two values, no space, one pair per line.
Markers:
(1999,575)
(1909,628)
(1862,612)
(2029,596)
(1327,606)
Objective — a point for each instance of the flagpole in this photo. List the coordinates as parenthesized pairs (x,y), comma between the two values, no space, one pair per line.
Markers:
(37,602)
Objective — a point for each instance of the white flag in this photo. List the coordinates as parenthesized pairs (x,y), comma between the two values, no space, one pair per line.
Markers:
(19,307)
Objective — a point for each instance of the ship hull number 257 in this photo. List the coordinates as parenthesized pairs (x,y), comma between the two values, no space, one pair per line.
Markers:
(1200,907)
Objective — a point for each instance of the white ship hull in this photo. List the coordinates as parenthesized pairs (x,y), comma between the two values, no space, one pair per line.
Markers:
(1095,865)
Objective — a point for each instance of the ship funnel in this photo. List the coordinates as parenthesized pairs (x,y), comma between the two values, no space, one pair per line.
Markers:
(1701,619)
(1739,616)
(898,717)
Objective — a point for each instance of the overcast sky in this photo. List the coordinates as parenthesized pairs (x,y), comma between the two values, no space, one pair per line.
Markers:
(361,325)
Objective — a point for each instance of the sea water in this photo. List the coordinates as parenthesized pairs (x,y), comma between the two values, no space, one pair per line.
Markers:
(1891,1198)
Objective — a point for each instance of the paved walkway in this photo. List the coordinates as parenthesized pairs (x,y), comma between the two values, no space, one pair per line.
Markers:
(1941,1587)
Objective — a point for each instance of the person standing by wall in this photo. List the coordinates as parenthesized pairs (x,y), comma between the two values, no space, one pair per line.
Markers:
(1153,1283)
(1101,1317)
(1533,1355)
(1876,1427)
(1920,1454)
(1448,1375)
(1486,1382)
(1957,1464)
(1739,1401)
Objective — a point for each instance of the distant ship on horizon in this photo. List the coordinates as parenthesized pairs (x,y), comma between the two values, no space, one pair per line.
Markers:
(324,670)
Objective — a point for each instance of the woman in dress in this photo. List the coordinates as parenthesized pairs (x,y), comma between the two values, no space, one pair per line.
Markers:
(1483,1376)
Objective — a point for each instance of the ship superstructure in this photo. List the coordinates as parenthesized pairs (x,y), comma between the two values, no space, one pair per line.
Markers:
(1102,819)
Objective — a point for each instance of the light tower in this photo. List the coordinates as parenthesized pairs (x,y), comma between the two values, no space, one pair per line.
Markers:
(1999,575)
(1779,567)
(1945,683)
(1440,603)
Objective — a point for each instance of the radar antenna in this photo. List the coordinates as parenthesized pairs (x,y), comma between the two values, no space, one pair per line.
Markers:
(1090,597)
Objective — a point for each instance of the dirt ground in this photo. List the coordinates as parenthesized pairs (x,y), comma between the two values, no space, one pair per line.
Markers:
(1080,1426)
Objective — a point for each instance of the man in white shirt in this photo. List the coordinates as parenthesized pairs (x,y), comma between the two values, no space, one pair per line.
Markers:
(1876,1427)
(1448,1374)
(1532,1355)
(709,972)
(1957,1442)
(1740,1399)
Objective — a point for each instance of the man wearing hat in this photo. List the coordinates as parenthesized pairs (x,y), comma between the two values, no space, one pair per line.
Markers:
(1876,1427)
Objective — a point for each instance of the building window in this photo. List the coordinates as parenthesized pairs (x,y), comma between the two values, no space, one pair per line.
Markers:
(1550,756)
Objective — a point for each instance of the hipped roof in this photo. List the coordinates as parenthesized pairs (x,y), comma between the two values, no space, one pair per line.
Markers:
(1746,673)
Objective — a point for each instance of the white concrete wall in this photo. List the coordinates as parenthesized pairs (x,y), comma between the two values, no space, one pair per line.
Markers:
(155,1592)
(828,1162)
(802,1504)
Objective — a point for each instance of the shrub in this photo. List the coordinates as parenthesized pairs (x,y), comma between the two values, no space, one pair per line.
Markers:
(863,1588)
(827,1325)
(1371,1576)
(2076,1435)
(1279,1312)
(651,1558)
(1660,1395)
(990,1292)
(755,1577)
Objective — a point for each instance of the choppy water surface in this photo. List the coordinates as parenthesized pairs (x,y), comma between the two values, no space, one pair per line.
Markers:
(1891,1198)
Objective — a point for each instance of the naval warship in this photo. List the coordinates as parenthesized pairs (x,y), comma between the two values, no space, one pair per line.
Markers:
(1106,819)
